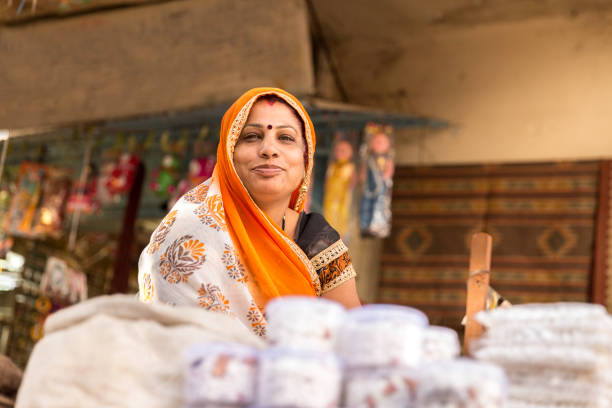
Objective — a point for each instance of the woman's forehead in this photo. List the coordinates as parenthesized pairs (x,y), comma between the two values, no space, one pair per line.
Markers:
(263,109)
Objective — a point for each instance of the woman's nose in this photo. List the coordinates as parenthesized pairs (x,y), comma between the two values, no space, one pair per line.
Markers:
(268,147)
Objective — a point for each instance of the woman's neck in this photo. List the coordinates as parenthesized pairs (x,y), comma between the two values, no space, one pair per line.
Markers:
(275,211)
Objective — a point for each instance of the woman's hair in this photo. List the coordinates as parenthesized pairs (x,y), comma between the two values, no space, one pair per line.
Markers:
(276,98)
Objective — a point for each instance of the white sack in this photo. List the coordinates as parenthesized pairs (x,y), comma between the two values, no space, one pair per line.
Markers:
(115,351)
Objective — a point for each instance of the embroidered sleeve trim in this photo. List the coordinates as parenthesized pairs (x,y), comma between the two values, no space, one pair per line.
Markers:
(347,274)
(331,253)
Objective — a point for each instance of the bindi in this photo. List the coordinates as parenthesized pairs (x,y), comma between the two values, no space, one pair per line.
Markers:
(269,126)
(270,102)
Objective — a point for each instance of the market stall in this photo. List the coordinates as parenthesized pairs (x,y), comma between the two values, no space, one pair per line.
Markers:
(78,204)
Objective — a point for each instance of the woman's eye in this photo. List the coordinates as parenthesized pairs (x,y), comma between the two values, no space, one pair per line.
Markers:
(250,136)
(287,138)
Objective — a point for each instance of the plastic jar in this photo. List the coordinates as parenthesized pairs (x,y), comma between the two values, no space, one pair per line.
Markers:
(298,379)
(461,383)
(382,335)
(381,388)
(220,374)
(440,343)
(304,323)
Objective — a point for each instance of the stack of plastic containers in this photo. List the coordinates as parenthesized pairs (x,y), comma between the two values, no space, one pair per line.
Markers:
(381,346)
(318,355)
(555,355)
(300,369)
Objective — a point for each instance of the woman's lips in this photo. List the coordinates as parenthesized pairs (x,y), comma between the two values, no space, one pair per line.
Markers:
(267,170)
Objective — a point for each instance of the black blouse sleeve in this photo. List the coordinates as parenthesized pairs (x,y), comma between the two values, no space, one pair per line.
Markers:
(325,250)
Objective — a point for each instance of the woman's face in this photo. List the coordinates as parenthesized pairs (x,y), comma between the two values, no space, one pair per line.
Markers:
(269,155)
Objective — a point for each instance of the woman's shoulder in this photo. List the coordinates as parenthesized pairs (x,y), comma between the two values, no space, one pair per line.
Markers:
(314,234)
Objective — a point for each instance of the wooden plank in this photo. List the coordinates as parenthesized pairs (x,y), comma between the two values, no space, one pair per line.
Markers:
(477,285)
(599,278)
(152,59)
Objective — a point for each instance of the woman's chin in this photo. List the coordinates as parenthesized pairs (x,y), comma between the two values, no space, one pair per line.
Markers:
(269,195)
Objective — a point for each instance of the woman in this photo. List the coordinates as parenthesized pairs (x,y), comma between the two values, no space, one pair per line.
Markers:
(241,238)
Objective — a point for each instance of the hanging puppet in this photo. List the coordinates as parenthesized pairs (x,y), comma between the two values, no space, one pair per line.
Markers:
(377,178)
(118,170)
(50,214)
(339,184)
(201,166)
(84,196)
(61,285)
(26,199)
(166,177)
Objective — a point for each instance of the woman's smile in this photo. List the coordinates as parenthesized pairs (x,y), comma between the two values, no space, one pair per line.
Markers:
(267,170)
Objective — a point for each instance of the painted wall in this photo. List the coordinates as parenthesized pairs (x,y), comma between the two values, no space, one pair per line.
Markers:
(158,58)
(516,91)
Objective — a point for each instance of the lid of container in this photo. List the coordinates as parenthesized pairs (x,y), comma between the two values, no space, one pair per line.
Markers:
(442,333)
(305,302)
(203,350)
(387,312)
(276,353)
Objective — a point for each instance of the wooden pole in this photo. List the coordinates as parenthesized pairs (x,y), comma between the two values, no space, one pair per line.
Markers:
(123,257)
(477,286)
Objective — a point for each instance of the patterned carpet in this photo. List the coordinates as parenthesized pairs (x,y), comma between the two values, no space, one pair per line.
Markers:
(541,217)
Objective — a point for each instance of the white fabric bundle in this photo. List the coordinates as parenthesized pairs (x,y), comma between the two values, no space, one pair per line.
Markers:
(555,355)
(116,351)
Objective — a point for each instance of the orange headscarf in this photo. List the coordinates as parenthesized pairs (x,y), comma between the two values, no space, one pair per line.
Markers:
(277,265)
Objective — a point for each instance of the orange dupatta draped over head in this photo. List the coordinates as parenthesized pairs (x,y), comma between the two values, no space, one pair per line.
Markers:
(276,264)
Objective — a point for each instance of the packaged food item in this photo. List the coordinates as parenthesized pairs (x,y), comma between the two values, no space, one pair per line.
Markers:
(305,323)
(440,343)
(382,335)
(298,379)
(461,383)
(381,388)
(220,374)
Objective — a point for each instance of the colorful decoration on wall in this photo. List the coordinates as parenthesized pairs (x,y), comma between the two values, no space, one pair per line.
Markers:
(201,165)
(84,196)
(63,284)
(340,181)
(50,214)
(60,286)
(377,179)
(26,199)
(121,174)
(166,177)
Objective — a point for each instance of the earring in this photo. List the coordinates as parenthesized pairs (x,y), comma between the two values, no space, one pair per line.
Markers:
(303,188)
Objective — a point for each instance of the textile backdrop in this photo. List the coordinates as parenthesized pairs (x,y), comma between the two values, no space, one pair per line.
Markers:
(541,216)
